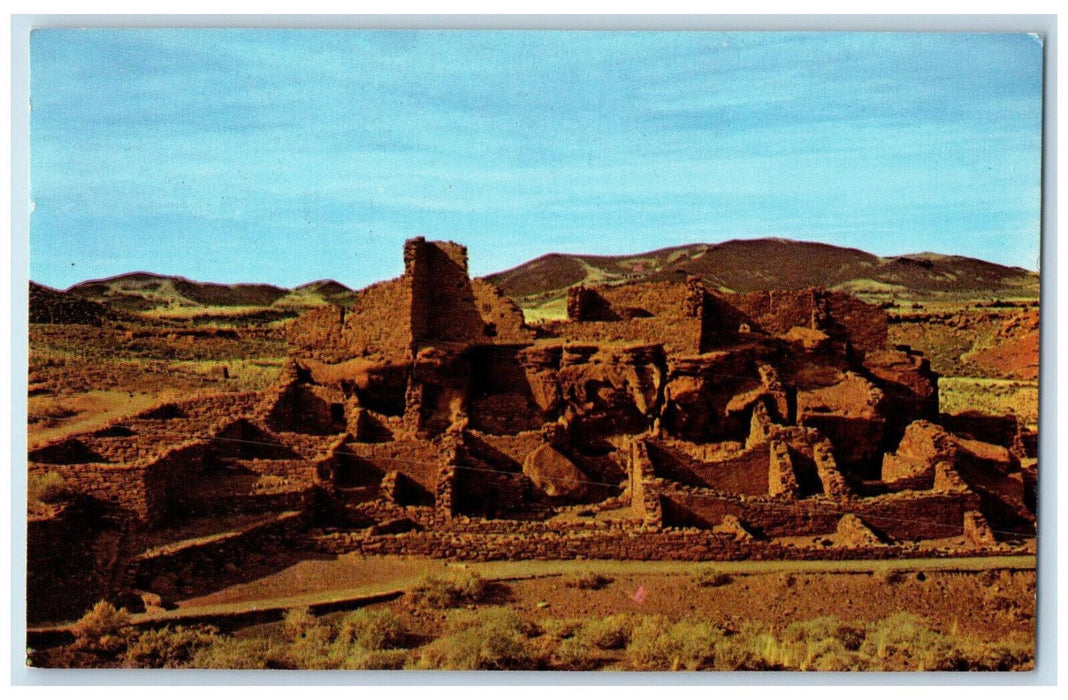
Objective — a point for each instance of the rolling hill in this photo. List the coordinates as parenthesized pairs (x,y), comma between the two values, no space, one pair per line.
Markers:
(49,305)
(737,266)
(770,263)
(144,291)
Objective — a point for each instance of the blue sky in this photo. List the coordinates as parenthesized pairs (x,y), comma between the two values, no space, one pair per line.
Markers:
(289,156)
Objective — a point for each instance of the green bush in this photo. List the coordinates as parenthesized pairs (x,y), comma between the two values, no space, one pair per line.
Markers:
(372,630)
(310,642)
(297,622)
(169,648)
(376,660)
(849,635)
(449,591)
(240,654)
(687,645)
(830,655)
(561,628)
(822,644)
(585,644)
(904,642)
(758,652)
(103,629)
(494,618)
(612,632)
(577,654)
(314,649)
(49,487)
(489,639)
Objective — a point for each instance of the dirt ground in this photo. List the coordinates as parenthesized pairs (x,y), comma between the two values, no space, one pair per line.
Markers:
(987,599)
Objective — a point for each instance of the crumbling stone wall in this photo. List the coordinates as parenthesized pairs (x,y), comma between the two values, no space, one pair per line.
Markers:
(207,556)
(700,394)
(740,471)
(587,304)
(447,306)
(376,325)
(643,486)
(120,488)
(502,319)
(527,540)
(908,385)
(419,460)
(837,314)
(678,336)
(899,517)
(660,299)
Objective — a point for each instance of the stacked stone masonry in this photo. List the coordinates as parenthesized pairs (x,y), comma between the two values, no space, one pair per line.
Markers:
(661,420)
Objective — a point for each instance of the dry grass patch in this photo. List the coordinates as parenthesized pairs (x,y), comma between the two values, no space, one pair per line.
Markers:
(489,639)
(449,591)
(588,581)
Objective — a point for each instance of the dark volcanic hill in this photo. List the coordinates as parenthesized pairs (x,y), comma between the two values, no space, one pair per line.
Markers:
(48,305)
(770,263)
(141,291)
(740,266)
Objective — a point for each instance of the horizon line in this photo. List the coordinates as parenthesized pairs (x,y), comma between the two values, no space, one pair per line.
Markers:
(175,276)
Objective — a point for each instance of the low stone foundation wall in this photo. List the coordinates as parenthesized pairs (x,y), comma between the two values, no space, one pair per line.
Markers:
(209,555)
(681,545)
(902,517)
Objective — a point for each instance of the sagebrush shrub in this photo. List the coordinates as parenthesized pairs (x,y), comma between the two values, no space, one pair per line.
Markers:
(104,629)
(297,622)
(49,487)
(612,632)
(903,641)
(169,648)
(689,645)
(489,639)
(241,654)
(449,591)
(375,660)
(372,630)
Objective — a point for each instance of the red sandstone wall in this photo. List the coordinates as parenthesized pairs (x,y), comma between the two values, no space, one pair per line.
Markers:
(417,459)
(840,315)
(531,540)
(746,473)
(902,517)
(434,301)
(865,324)
(665,299)
(172,478)
(122,487)
(502,451)
(678,335)
(776,311)
(376,325)
(500,314)
(771,518)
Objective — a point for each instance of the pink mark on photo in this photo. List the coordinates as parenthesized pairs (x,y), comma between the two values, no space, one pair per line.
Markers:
(639,595)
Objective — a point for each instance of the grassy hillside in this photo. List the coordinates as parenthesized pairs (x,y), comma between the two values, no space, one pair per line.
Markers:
(771,263)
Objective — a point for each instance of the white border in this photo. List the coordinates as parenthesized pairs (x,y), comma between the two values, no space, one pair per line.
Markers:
(14,585)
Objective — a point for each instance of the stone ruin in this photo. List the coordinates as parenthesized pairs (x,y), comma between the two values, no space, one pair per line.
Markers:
(660,420)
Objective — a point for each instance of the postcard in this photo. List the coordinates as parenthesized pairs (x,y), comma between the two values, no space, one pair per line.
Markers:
(533,350)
